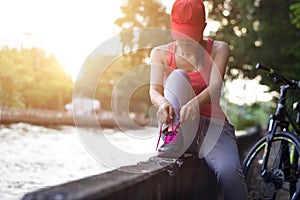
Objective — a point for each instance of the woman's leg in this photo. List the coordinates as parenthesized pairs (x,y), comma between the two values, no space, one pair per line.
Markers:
(224,160)
(178,91)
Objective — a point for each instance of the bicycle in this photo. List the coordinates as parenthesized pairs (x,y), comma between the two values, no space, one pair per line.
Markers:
(272,166)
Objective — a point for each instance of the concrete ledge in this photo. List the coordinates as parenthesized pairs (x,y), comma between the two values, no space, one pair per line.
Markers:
(192,180)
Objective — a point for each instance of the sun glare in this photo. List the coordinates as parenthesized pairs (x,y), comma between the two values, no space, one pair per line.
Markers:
(240,91)
(69,29)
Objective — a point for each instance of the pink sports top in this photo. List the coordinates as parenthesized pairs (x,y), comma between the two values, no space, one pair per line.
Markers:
(199,81)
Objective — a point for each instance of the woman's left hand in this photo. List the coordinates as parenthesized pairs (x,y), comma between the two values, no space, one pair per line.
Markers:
(189,111)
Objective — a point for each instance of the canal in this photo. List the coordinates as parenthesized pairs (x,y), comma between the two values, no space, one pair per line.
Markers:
(34,156)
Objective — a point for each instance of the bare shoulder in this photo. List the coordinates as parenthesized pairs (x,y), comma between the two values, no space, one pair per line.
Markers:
(162,49)
(159,54)
(220,47)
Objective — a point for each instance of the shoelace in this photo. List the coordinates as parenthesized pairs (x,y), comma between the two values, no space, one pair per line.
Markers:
(173,132)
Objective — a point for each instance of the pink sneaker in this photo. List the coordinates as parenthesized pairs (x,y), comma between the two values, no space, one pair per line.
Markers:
(173,142)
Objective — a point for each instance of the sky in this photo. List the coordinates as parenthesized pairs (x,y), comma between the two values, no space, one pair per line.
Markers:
(69,29)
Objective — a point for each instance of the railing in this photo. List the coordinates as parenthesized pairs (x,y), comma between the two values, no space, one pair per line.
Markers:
(61,117)
(36,116)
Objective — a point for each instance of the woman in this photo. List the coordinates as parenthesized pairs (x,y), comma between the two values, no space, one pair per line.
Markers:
(186,80)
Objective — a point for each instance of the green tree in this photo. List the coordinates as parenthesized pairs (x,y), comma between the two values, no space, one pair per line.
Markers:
(101,74)
(258,31)
(295,8)
(31,79)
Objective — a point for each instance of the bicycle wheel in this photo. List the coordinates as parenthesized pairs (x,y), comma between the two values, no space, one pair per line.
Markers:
(281,180)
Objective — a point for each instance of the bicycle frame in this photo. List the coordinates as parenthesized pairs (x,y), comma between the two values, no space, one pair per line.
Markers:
(276,121)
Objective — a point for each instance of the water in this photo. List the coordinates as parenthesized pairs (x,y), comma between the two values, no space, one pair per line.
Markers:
(34,157)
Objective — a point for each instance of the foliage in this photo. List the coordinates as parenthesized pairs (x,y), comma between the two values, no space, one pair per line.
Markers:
(104,76)
(245,116)
(295,8)
(31,79)
(259,31)
(141,14)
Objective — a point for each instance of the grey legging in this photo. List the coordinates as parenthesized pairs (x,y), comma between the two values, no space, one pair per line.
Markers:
(218,142)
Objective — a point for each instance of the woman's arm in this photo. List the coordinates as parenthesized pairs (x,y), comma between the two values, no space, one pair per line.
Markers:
(220,55)
(165,111)
(156,78)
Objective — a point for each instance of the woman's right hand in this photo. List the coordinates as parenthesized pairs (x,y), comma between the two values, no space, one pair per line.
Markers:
(165,113)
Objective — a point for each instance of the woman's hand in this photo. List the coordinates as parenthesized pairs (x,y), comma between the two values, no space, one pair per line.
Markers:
(165,113)
(189,111)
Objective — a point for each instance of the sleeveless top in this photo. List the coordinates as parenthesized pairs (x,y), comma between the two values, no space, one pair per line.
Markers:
(200,80)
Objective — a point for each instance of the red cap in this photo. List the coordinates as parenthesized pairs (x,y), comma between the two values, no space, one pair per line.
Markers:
(188,19)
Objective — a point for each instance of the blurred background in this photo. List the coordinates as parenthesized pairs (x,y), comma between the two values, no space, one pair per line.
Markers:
(46,50)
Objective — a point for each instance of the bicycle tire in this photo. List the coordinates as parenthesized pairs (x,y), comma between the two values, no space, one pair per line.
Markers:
(283,182)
